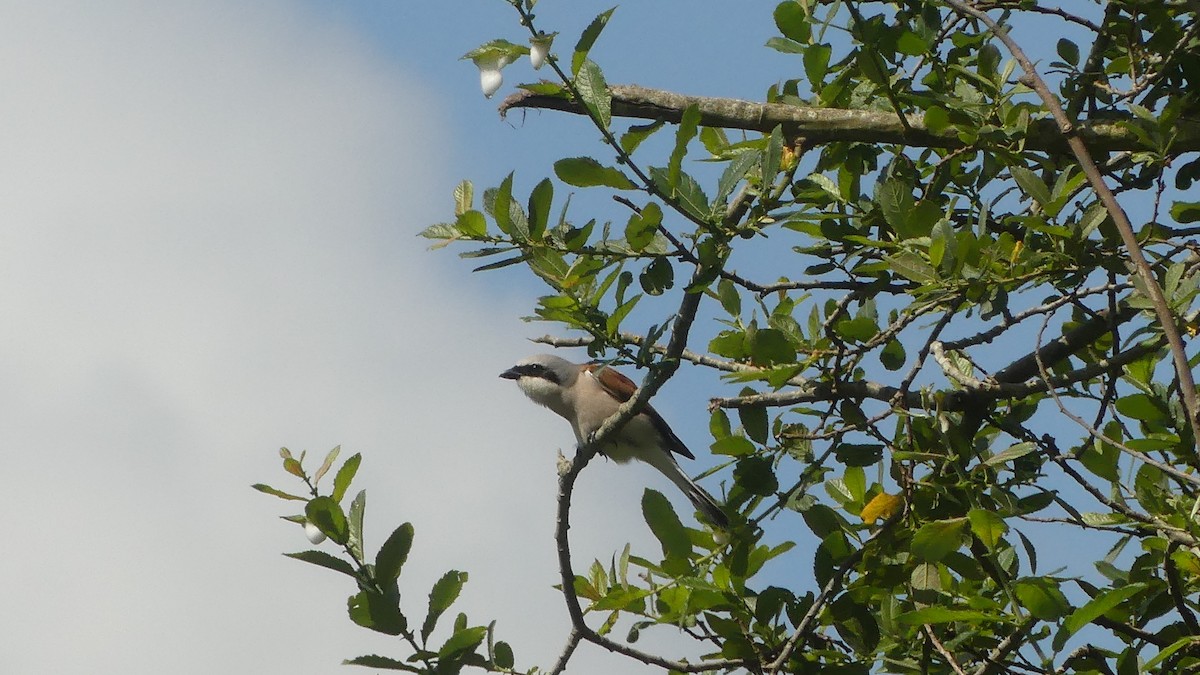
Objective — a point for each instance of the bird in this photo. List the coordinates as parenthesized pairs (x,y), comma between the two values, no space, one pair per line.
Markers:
(587,394)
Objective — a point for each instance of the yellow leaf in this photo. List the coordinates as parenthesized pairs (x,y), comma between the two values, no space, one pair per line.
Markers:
(1016,252)
(881,505)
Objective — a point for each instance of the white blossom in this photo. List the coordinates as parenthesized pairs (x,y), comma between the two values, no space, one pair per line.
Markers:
(490,77)
(314,533)
(539,49)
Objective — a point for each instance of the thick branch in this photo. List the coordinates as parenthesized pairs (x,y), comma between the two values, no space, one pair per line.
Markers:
(824,125)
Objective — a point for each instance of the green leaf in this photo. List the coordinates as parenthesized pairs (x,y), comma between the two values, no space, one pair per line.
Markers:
(587,172)
(267,489)
(785,45)
(936,119)
(658,277)
(718,424)
(770,346)
(911,44)
(756,476)
(755,421)
(393,554)
(1042,598)
(642,227)
(935,615)
(733,174)
(859,329)
(684,134)
(1098,605)
(858,454)
(687,192)
(464,640)
(1189,641)
(792,21)
(772,156)
(1005,456)
(500,201)
(325,513)
(925,577)
(665,525)
(855,480)
(816,64)
(503,657)
(376,661)
(1102,457)
(935,540)
(630,140)
(539,208)
(733,446)
(358,507)
(912,266)
(987,526)
(441,597)
(1033,186)
(1068,51)
(895,202)
(893,356)
(1185,212)
(379,613)
(613,325)
(344,476)
(594,92)
(1141,407)
(471,224)
(588,38)
(731,300)
(323,559)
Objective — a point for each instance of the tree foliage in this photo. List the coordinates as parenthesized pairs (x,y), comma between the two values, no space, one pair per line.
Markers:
(978,346)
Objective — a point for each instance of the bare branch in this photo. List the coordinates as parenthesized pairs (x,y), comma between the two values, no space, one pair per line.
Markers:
(825,125)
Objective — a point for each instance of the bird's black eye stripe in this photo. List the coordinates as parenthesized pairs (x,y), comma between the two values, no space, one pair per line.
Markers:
(538,370)
(532,370)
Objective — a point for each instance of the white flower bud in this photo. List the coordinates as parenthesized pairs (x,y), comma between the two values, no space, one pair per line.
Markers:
(314,533)
(490,77)
(539,49)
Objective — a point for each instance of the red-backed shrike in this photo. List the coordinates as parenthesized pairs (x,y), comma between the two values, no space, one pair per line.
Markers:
(588,394)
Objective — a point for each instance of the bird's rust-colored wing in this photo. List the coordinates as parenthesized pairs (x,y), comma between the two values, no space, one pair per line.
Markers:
(622,389)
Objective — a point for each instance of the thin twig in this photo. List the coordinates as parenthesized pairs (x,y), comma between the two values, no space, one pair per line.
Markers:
(941,649)
(1003,649)
(832,586)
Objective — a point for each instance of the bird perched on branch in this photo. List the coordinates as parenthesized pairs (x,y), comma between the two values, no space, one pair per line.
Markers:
(588,394)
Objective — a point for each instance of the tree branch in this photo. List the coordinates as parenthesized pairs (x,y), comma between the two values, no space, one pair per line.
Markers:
(826,125)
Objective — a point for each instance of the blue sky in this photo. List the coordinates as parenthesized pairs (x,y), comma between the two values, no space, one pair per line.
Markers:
(208,251)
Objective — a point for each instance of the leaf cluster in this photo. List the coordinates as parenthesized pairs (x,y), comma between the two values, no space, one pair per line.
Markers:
(377,604)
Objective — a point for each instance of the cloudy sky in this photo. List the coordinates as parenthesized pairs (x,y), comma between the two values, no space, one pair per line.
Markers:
(207,251)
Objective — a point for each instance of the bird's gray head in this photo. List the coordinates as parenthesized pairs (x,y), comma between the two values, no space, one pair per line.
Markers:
(543,377)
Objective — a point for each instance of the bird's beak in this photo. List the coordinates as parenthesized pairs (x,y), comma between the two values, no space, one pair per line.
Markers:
(511,374)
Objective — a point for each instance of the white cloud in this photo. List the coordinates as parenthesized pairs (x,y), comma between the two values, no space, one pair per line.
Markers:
(207,213)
